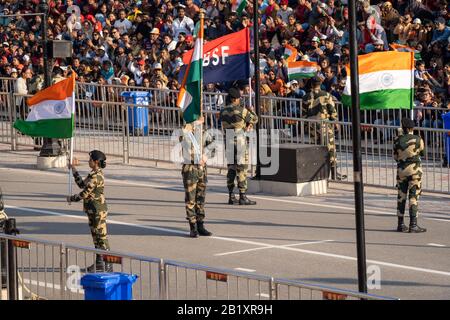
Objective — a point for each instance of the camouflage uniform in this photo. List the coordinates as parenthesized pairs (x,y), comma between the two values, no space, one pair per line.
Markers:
(194,175)
(94,204)
(408,149)
(319,105)
(237,118)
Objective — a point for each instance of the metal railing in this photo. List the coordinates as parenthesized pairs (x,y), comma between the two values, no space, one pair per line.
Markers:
(52,271)
(104,120)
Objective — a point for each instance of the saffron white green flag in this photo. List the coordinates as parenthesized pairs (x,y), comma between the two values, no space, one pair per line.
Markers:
(239,5)
(302,69)
(51,112)
(290,53)
(386,81)
(189,98)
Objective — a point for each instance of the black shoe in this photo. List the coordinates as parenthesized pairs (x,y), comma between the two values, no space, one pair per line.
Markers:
(336,175)
(194,231)
(232,199)
(401,225)
(414,228)
(202,231)
(243,200)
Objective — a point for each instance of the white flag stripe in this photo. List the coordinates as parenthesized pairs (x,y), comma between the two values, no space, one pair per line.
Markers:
(382,80)
(51,109)
(302,70)
(185,100)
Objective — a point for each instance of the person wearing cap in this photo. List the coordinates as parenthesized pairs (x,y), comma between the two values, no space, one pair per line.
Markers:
(94,204)
(408,150)
(158,74)
(194,173)
(285,11)
(236,121)
(319,105)
(389,19)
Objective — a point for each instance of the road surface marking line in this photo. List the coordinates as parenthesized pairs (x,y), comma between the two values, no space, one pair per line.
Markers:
(436,245)
(263,295)
(42,284)
(270,247)
(175,188)
(259,244)
(244,269)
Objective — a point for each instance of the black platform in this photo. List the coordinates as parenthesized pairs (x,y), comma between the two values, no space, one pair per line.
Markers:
(301,163)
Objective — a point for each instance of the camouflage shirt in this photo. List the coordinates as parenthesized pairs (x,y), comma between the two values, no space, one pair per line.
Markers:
(408,148)
(237,117)
(93,190)
(2,216)
(319,105)
(191,145)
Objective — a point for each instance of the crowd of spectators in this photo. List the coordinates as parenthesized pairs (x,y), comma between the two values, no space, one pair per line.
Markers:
(141,43)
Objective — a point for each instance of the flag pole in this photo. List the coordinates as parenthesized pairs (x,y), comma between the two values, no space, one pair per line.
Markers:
(201,30)
(70,169)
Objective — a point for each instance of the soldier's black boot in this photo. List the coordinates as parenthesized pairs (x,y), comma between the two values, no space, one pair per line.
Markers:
(201,229)
(232,198)
(243,200)
(414,228)
(98,266)
(194,231)
(401,225)
(336,175)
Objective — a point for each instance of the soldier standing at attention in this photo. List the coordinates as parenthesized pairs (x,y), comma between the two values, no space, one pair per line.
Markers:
(194,175)
(408,148)
(236,120)
(319,105)
(94,204)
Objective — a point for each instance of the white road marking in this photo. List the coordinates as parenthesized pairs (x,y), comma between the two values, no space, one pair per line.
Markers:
(263,295)
(42,284)
(179,188)
(435,245)
(244,269)
(269,247)
(259,244)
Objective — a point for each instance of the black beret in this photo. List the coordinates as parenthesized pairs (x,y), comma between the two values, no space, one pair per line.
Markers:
(408,123)
(234,93)
(97,155)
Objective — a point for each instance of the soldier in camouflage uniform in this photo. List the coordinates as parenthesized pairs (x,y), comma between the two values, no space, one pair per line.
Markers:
(194,175)
(94,204)
(319,105)
(408,148)
(236,120)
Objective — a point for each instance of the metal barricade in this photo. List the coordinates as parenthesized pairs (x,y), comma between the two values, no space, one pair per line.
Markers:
(50,270)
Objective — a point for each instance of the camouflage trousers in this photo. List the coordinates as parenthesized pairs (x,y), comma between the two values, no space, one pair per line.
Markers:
(194,181)
(323,134)
(409,183)
(238,171)
(97,224)
(2,215)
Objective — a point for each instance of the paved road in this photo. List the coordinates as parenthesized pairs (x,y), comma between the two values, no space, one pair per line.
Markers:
(310,239)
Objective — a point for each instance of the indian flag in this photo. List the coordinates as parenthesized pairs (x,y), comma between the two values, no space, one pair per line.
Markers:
(302,69)
(51,112)
(239,5)
(290,53)
(403,48)
(386,81)
(189,98)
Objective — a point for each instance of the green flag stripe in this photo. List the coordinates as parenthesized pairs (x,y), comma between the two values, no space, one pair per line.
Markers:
(301,75)
(383,99)
(48,128)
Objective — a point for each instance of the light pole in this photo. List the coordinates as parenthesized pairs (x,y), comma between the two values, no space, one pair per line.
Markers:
(257,83)
(50,147)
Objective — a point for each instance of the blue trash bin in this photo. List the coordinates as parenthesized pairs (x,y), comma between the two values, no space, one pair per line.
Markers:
(446,118)
(108,286)
(137,116)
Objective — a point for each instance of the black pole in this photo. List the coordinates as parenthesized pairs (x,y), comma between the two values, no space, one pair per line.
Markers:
(13,284)
(257,83)
(50,147)
(357,162)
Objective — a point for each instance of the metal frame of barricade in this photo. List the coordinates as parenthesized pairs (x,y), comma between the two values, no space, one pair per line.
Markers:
(103,121)
(49,270)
